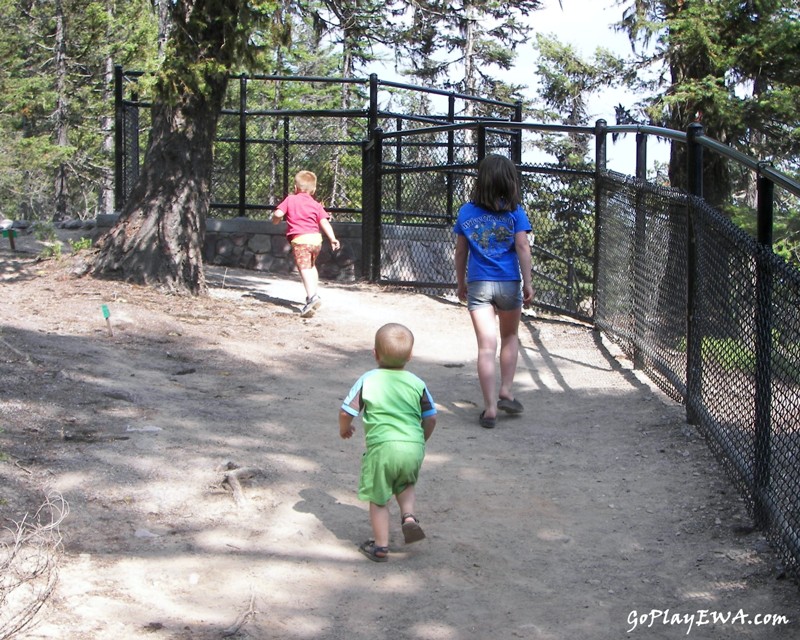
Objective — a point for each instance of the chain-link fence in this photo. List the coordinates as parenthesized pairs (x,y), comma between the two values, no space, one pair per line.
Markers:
(711,315)
(708,312)
(427,173)
(272,126)
(641,276)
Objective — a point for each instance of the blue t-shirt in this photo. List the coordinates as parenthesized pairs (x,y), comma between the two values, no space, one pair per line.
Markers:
(492,253)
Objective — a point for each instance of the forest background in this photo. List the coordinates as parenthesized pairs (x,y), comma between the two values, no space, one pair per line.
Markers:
(732,64)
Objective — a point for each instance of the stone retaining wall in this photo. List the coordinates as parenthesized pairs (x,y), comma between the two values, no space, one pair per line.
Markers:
(259,245)
(410,254)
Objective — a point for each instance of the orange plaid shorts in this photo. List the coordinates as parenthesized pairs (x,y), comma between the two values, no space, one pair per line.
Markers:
(305,255)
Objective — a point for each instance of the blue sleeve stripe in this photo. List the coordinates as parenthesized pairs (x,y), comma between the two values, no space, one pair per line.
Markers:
(348,409)
(429,398)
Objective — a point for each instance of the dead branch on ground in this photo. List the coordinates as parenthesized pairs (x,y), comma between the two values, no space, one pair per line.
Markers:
(29,565)
(242,620)
(232,481)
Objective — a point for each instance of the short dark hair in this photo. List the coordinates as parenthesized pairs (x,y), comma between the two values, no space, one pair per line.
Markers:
(497,185)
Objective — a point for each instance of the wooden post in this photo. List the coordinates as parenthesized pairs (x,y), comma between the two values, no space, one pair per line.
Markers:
(10,234)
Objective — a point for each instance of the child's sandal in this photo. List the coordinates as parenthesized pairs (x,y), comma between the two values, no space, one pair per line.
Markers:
(374,552)
(412,532)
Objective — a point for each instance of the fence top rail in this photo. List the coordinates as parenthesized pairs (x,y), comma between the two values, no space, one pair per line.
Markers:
(327,79)
(493,124)
(372,77)
(304,113)
(759,166)
(661,132)
(445,92)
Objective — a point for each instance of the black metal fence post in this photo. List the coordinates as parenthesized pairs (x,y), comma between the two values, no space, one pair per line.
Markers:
(372,153)
(398,158)
(119,153)
(242,145)
(640,255)
(516,136)
(694,341)
(286,155)
(641,156)
(373,103)
(763,349)
(451,156)
(600,163)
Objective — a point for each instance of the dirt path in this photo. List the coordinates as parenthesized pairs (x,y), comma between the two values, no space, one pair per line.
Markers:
(599,501)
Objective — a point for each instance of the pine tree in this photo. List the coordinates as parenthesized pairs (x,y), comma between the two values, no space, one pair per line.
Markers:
(731,65)
(56,101)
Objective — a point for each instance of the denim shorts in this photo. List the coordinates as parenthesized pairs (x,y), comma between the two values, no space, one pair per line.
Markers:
(505,295)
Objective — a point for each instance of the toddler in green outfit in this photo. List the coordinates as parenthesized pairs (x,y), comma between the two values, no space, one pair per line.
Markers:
(398,418)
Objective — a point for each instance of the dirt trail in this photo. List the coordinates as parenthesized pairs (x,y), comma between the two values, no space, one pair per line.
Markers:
(597,502)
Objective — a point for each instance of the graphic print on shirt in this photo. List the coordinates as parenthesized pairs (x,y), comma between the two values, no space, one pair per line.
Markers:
(492,233)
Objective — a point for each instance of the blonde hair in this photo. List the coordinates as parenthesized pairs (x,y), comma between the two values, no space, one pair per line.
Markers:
(306,181)
(393,345)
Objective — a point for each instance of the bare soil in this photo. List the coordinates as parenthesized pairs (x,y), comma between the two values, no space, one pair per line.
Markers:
(596,505)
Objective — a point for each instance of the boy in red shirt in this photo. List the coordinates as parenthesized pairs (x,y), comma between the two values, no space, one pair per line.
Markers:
(305,217)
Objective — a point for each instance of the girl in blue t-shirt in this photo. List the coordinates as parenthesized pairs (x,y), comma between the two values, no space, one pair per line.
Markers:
(493,258)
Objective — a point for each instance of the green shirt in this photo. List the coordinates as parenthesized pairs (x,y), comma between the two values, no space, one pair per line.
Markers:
(394,402)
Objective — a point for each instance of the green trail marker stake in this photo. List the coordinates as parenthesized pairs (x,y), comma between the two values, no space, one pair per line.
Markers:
(107,316)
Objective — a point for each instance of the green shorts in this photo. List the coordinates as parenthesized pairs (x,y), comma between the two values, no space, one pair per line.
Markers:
(389,468)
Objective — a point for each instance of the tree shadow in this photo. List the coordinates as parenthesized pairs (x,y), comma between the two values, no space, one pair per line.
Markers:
(337,517)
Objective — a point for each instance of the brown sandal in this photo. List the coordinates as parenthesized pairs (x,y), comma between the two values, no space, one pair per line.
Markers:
(412,532)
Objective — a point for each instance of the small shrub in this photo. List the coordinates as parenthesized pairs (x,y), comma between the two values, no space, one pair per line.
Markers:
(45,233)
(80,244)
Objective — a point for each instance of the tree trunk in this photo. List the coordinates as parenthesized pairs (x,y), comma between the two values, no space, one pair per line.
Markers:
(158,239)
(60,115)
(159,236)
(105,198)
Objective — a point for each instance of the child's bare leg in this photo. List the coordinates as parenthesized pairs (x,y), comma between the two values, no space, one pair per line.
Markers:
(406,499)
(412,532)
(509,350)
(485,324)
(310,278)
(379,519)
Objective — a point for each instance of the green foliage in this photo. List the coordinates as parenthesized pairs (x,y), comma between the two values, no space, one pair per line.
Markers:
(459,45)
(735,66)
(734,354)
(56,110)
(45,233)
(729,353)
(562,209)
(80,245)
(312,37)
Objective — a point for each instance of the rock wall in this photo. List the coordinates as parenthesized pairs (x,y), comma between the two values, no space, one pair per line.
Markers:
(410,254)
(259,245)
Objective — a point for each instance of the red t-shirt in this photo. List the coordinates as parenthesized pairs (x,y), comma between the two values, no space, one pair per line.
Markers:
(303,214)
